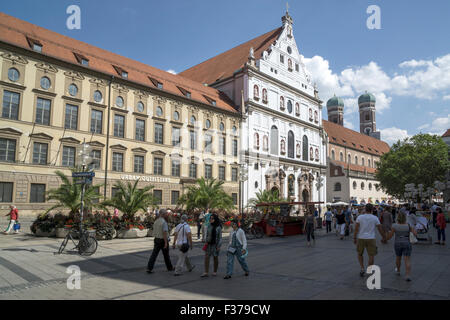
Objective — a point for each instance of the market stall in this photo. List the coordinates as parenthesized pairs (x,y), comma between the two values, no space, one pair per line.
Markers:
(280,222)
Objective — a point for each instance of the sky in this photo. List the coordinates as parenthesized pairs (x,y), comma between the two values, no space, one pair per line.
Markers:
(405,63)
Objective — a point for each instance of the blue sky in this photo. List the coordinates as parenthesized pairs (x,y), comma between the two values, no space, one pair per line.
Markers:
(406,63)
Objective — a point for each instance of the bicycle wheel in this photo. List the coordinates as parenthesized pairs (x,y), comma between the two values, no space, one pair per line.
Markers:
(63,244)
(87,245)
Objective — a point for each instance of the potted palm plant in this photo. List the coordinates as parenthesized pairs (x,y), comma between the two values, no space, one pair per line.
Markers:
(129,200)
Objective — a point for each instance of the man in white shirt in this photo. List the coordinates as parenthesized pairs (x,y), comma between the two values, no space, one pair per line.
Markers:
(365,238)
(183,238)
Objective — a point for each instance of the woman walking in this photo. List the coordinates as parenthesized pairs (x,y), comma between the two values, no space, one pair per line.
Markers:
(340,220)
(213,244)
(237,247)
(440,225)
(310,225)
(402,245)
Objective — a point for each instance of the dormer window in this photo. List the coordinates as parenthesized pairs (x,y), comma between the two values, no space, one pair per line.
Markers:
(124,74)
(85,62)
(121,72)
(186,93)
(81,59)
(36,45)
(156,83)
(211,101)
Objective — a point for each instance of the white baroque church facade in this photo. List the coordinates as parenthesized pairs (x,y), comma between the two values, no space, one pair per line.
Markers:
(283,144)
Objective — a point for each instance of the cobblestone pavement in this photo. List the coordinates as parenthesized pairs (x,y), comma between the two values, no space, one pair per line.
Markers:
(281,268)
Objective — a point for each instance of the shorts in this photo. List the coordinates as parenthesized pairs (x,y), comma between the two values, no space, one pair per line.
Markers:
(403,249)
(369,244)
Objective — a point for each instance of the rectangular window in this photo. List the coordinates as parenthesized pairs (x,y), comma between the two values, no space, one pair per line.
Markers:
(158,166)
(119,126)
(176,168)
(140,130)
(175,196)
(71,117)
(43,108)
(40,151)
(68,157)
(208,171)
(176,138)
(159,137)
(7,150)
(96,121)
(193,170)
(96,156)
(281,58)
(157,194)
(85,62)
(235,148)
(296,67)
(114,192)
(222,149)
(193,135)
(37,193)
(6,191)
(208,143)
(222,173)
(10,105)
(234,174)
(160,85)
(37,47)
(235,198)
(139,164)
(117,163)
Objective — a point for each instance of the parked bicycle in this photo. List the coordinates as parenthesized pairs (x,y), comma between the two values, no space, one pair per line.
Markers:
(87,244)
(251,230)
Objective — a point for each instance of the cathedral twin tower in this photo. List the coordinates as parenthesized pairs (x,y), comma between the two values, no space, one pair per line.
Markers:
(366,103)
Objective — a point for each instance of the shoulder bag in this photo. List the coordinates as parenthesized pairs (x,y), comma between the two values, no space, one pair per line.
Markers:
(185,246)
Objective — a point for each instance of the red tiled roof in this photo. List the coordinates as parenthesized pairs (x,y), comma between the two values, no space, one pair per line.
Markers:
(342,136)
(225,64)
(18,32)
(447,133)
(355,167)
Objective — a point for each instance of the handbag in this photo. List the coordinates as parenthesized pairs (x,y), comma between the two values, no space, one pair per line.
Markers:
(231,250)
(185,246)
(205,247)
(16,226)
(412,238)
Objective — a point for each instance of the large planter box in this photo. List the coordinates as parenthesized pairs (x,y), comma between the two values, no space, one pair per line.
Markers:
(227,229)
(132,233)
(40,233)
(62,232)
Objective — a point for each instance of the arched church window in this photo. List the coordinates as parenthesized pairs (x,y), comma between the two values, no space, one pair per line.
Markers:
(341,156)
(274,140)
(356,159)
(255,92)
(291,143)
(332,155)
(289,106)
(337,186)
(349,159)
(305,148)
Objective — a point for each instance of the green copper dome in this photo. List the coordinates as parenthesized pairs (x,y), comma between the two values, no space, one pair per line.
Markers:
(335,101)
(367,97)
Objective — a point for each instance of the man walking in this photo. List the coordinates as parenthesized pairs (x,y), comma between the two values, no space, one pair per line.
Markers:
(328,219)
(340,222)
(183,240)
(364,236)
(161,234)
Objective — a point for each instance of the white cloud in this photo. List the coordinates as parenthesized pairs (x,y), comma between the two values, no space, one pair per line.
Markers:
(349,124)
(392,135)
(171,71)
(440,125)
(423,79)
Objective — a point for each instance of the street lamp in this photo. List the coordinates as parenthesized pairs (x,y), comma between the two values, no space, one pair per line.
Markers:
(84,158)
(243,176)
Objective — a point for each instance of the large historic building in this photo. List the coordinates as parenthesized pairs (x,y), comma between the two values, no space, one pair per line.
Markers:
(282,137)
(142,123)
(352,155)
